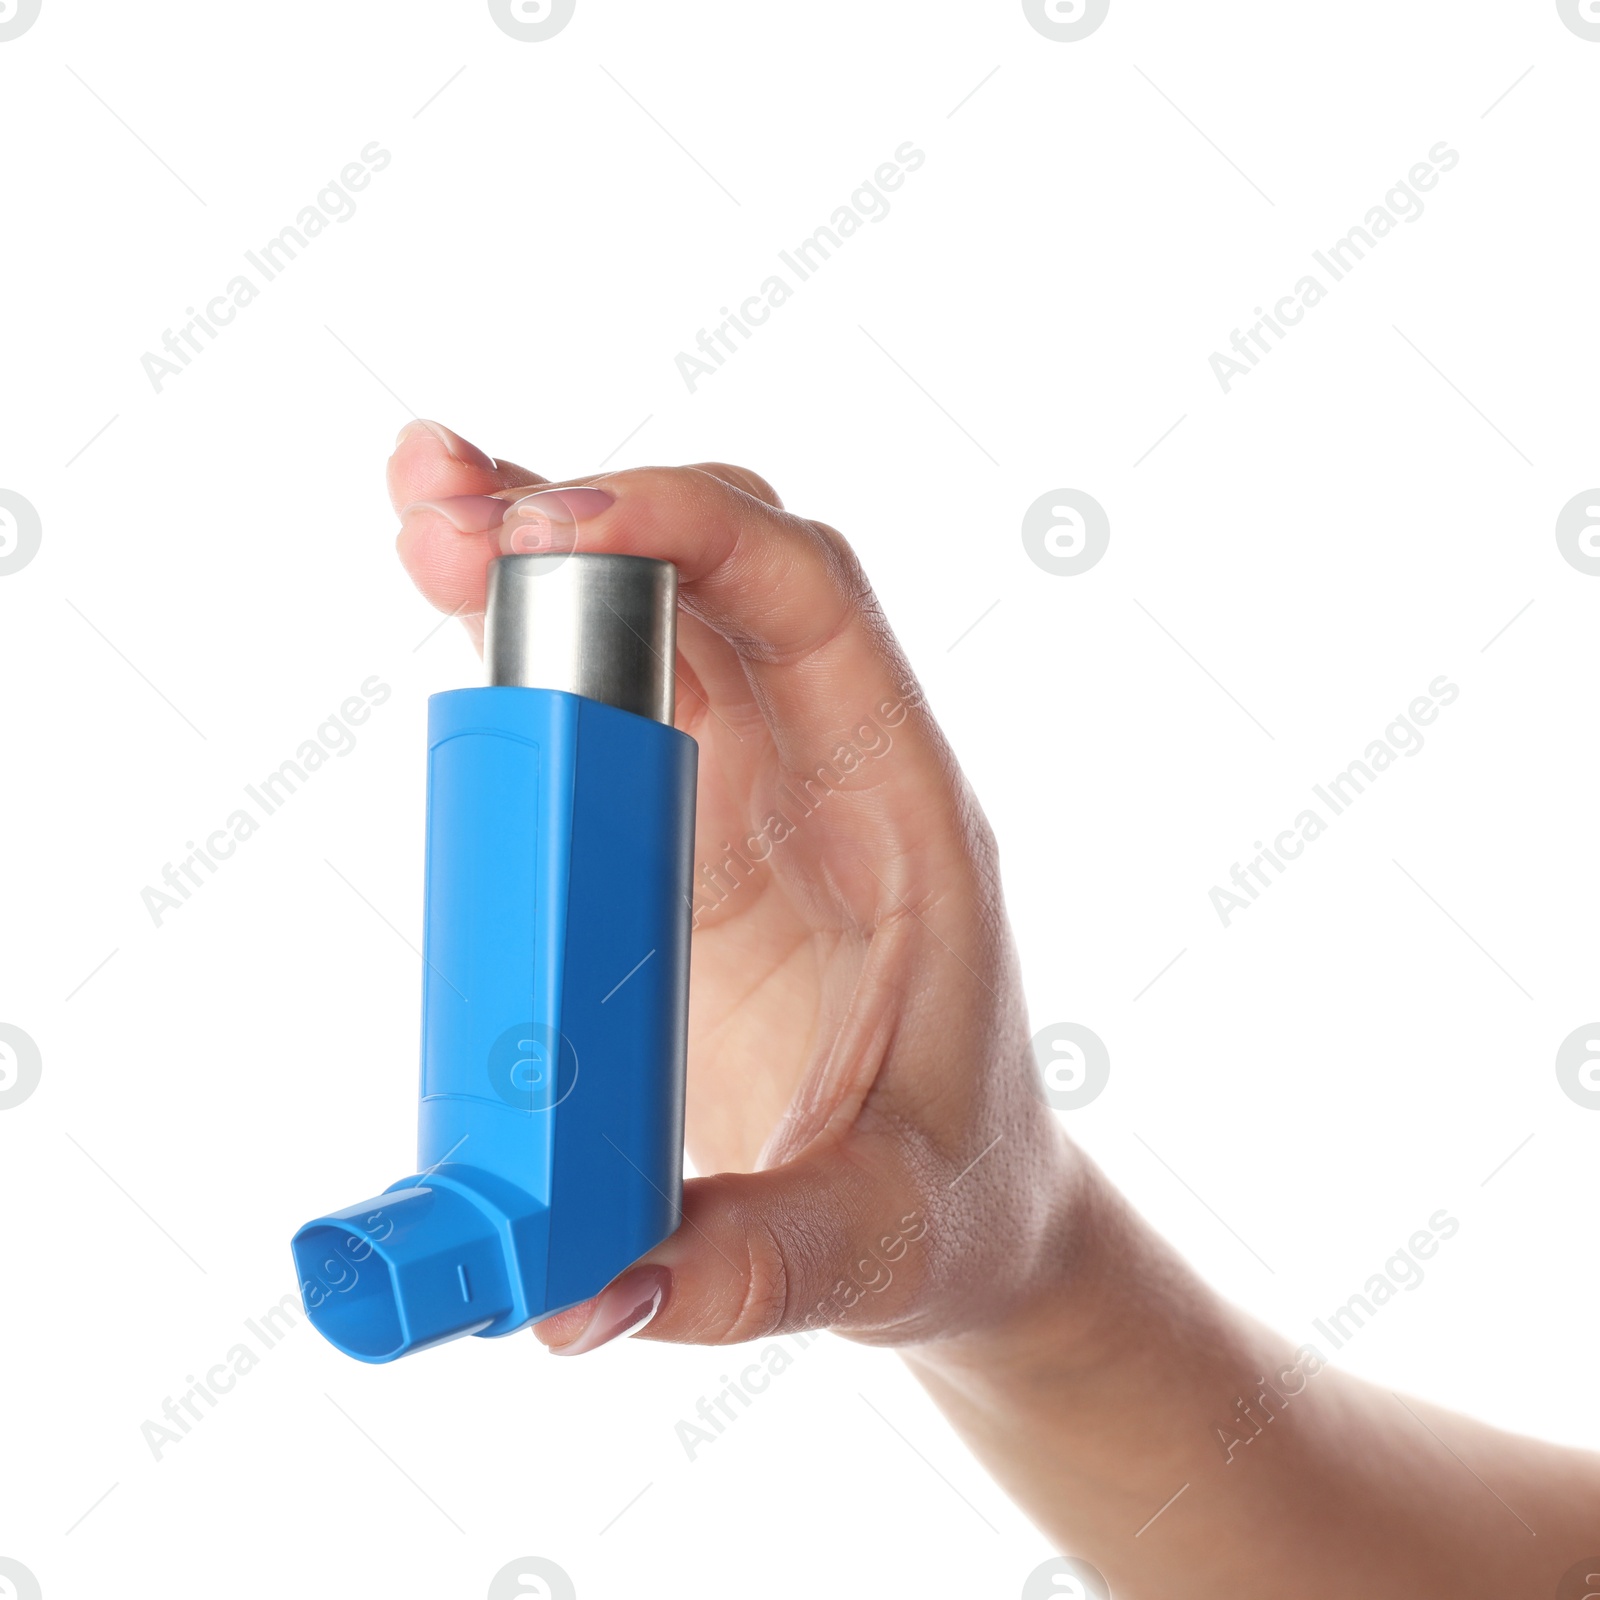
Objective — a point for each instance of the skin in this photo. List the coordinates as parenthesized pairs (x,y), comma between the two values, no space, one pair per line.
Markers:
(862,1085)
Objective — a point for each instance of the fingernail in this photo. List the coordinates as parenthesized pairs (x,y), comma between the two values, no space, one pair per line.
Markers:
(562,505)
(467,513)
(624,1306)
(469,455)
(543,523)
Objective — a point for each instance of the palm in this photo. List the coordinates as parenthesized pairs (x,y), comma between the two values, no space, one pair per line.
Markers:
(759,958)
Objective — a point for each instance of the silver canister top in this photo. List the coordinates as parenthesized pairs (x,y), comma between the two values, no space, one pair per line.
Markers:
(603,626)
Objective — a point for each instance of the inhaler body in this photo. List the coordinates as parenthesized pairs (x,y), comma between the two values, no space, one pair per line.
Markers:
(555,978)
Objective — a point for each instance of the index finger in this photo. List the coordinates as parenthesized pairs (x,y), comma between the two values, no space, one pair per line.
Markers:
(790,596)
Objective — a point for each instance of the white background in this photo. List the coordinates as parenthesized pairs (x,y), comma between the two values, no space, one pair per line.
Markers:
(1364,512)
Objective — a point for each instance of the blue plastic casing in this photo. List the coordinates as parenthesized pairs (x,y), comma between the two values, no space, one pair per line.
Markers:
(554,1020)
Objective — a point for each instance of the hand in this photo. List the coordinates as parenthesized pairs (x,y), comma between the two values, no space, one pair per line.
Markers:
(860,1082)
(860,1079)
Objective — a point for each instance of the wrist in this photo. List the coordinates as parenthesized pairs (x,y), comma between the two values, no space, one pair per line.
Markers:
(1101,1291)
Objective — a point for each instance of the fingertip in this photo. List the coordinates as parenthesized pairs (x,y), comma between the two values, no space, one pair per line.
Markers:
(458,449)
(432,462)
(623,1307)
(445,565)
(515,475)
(564,1326)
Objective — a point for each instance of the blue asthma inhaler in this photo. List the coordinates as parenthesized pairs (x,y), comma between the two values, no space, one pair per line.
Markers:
(555,976)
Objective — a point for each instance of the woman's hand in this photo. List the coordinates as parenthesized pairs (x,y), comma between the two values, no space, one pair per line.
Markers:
(860,1080)
(860,1077)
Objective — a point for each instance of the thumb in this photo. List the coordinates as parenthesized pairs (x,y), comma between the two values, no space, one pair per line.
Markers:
(816,1243)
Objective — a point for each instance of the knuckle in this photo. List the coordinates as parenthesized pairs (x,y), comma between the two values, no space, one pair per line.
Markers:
(752,483)
(845,566)
(765,1306)
(655,483)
